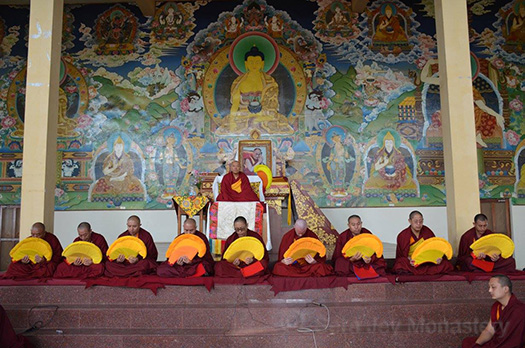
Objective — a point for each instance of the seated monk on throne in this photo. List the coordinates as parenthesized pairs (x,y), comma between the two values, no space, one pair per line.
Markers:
(235,186)
(254,99)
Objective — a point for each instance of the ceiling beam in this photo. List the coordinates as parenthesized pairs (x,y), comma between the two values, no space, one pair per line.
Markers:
(147,7)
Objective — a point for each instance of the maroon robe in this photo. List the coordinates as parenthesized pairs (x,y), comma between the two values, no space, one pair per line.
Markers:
(404,240)
(142,266)
(465,255)
(344,267)
(64,270)
(228,194)
(8,337)
(225,269)
(44,269)
(508,324)
(300,268)
(188,270)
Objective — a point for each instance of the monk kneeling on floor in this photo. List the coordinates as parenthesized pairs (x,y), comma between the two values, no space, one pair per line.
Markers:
(244,253)
(39,265)
(315,266)
(84,267)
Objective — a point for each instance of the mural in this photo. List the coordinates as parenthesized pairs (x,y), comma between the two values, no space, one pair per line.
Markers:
(346,103)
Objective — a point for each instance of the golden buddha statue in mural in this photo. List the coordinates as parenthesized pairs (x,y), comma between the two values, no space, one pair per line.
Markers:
(254,100)
(66,126)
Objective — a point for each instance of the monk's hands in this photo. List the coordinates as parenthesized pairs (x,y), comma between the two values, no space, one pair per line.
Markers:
(78,262)
(248,260)
(25,259)
(412,262)
(367,259)
(39,258)
(309,258)
(357,256)
(287,261)
(438,261)
(133,259)
(236,262)
(494,257)
(87,261)
(183,260)
(481,256)
(121,258)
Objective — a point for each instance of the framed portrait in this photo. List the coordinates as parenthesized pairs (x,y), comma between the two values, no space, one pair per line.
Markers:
(254,152)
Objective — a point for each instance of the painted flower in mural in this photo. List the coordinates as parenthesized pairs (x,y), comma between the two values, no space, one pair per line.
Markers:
(59,192)
(512,137)
(420,62)
(84,121)
(498,63)
(184,105)
(512,81)
(8,122)
(516,104)
(71,89)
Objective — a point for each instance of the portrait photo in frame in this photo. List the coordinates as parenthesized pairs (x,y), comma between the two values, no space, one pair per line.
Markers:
(254,152)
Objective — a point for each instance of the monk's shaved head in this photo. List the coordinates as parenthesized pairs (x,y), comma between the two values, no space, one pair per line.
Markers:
(414,213)
(301,223)
(38,230)
(84,226)
(504,281)
(38,226)
(134,218)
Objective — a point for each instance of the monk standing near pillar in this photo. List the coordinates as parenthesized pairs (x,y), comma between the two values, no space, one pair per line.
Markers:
(134,266)
(465,257)
(42,268)
(406,243)
(307,267)
(85,268)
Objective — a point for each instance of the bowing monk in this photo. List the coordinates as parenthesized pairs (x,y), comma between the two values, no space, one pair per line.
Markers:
(184,267)
(225,269)
(84,268)
(134,266)
(42,268)
(309,266)
(506,328)
(466,257)
(406,245)
(235,186)
(345,266)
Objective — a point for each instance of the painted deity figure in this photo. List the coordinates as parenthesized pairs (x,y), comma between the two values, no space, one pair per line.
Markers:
(337,162)
(119,177)
(389,170)
(171,164)
(388,28)
(274,26)
(254,98)
(66,126)
(233,27)
(338,20)
(517,28)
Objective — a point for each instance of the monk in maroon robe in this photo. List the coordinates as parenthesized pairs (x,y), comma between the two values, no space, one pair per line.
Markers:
(348,266)
(185,267)
(251,266)
(405,242)
(8,337)
(467,261)
(310,266)
(84,268)
(134,266)
(506,328)
(42,268)
(235,186)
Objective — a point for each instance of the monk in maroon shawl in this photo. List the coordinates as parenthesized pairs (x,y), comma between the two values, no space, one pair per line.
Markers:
(345,266)
(134,266)
(185,267)
(307,267)
(235,186)
(406,241)
(467,260)
(84,268)
(8,337)
(226,269)
(506,328)
(42,268)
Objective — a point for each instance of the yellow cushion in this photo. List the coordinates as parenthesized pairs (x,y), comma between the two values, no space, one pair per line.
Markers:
(31,246)
(244,247)
(83,250)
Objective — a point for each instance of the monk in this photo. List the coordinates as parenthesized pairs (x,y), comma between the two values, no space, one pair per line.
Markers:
(84,268)
(8,336)
(310,266)
(405,242)
(185,267)
(235,186)
(42,268)
(506,328)
(134,266)
(225,269)
(467,260)
(345,266)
